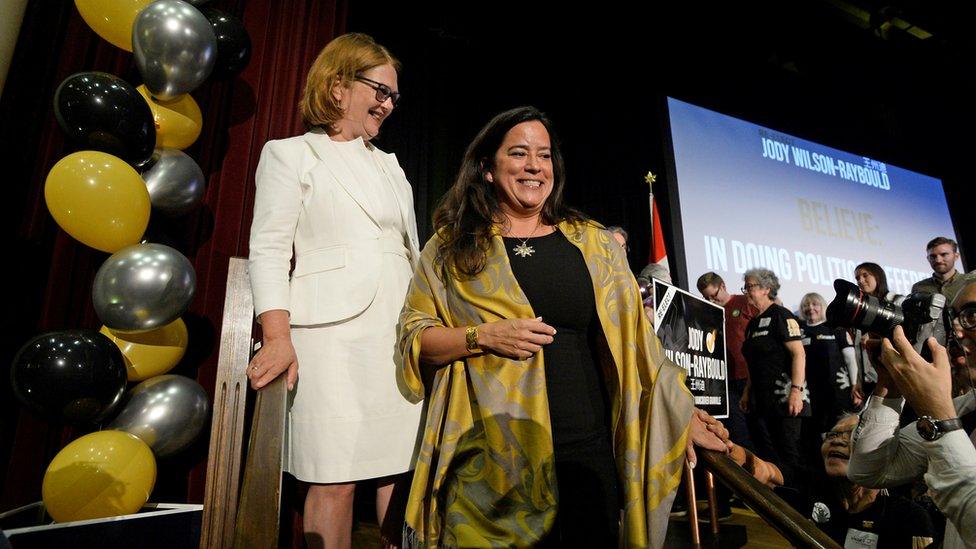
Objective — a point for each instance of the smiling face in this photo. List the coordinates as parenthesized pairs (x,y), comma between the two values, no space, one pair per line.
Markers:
(866,281)
(836,448)
(522,170)
(812,311)
(362,113)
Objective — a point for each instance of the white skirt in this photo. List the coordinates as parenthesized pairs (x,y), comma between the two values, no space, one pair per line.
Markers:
(348,419)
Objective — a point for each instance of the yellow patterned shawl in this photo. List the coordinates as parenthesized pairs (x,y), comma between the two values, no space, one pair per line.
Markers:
(485,472)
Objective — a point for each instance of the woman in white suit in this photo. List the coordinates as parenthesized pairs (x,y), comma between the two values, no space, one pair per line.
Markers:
(346,210)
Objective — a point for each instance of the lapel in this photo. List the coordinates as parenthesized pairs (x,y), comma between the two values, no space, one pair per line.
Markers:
(402,193)
(347,178)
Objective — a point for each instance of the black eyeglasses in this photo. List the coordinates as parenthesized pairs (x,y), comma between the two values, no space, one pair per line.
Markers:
(831,435)
(748,287)
(966,315)
(383,92)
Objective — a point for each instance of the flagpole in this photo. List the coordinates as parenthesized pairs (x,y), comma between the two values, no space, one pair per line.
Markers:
(650,178)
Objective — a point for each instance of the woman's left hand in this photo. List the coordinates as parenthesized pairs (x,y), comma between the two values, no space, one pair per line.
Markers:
(707,432)
(795,404)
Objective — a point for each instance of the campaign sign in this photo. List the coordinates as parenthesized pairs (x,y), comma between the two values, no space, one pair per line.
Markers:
(692,332)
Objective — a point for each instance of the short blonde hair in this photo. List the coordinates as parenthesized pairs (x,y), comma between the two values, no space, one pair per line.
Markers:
(815,298)
(339,62)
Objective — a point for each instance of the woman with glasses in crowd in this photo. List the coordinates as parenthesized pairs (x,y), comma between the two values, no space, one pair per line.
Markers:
(552,412)
(853,515)
(776,396)
(346,209)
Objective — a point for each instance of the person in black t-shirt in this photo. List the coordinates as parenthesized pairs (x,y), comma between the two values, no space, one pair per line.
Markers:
(855,516)
(828,369)
(776,397)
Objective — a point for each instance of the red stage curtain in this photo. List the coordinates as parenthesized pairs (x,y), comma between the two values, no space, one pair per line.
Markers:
(48,275)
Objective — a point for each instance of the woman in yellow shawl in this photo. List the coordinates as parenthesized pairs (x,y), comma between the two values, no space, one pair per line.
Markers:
(550,408)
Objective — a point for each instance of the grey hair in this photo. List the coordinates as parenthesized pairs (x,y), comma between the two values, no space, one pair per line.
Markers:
(766,279)
(659,272)
(619,229)
(843,417)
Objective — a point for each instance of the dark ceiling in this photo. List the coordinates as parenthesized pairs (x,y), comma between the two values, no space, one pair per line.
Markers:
(893,81)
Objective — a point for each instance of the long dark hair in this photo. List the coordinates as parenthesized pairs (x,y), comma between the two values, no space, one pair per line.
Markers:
(881,290)
(465,214)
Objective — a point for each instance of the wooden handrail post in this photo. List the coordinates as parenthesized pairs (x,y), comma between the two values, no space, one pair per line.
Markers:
(260,505)
(712,502)
(230,395)
(692,504)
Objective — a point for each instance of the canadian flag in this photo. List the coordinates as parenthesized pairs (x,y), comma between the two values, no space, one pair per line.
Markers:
(659,252)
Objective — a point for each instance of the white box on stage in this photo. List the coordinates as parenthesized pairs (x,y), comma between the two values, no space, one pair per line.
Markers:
(155,525)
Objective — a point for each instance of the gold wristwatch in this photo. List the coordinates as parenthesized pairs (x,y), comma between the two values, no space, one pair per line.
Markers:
(471,339)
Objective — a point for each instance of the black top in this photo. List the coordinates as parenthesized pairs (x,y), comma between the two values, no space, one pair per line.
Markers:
(770,363)
(890,522)
(827,374)
(558,286)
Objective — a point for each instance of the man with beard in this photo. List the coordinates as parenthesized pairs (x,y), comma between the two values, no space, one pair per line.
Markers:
(943,253)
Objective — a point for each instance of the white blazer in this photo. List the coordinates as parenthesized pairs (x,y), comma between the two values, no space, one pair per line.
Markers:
(310,199)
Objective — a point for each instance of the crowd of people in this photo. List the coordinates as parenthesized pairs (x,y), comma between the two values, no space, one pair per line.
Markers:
(800,383)
(501,385)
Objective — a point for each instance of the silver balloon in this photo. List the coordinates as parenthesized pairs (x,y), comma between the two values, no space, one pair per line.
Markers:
(175,182)
(167,412)
(198,2)
(143,287)
(174,47)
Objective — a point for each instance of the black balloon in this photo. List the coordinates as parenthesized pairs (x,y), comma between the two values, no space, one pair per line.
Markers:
(102,112)
(233,43)
(76,376)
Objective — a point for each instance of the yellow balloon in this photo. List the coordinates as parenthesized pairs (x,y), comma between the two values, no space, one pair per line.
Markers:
(152,353)
(103,474)
(98,199)
(112,19)
(178,122)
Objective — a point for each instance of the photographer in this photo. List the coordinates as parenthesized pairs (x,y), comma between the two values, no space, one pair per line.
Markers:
(937,446)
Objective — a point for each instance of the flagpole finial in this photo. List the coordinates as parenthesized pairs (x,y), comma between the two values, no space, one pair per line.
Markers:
(650,178)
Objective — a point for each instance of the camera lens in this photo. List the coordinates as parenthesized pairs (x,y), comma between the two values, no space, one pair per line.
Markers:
(646,290)
(852,308)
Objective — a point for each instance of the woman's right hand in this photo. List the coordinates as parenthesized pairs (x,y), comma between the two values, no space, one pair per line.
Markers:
(517,338)
(276,356)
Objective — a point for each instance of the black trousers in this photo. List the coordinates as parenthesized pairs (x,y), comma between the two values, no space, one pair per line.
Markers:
(589,501)
(778,439)
(736,422)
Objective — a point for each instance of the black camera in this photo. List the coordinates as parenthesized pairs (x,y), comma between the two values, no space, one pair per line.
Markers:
(921,315)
